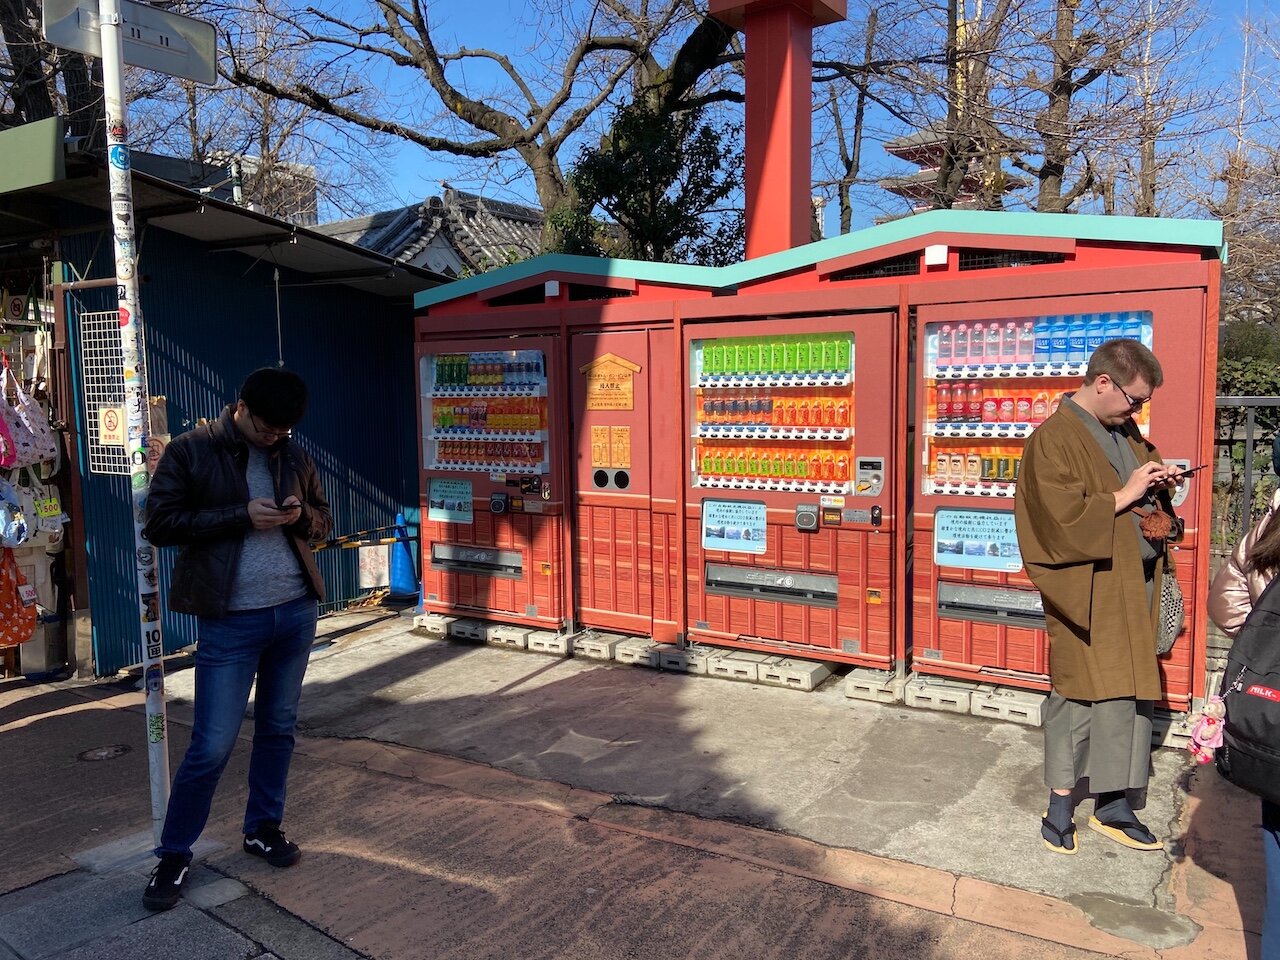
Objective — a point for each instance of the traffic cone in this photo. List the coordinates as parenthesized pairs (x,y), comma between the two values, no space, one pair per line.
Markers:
(403,577)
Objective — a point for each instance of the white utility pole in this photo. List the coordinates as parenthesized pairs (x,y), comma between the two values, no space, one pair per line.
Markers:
(183,47)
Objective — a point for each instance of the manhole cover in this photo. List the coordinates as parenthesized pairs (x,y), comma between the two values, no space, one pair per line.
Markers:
(105,753)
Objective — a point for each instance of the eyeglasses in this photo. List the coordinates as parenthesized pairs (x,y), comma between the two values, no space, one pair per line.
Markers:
(1133,404)
(273,434)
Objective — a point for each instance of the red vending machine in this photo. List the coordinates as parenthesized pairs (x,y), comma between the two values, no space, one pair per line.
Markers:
(492,497)
(990,373)
(790,541)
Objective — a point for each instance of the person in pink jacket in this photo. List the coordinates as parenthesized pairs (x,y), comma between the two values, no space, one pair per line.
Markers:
(1238,583)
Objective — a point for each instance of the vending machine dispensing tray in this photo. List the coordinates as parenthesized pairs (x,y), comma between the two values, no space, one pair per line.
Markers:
(987,604)
(481,561)
(781,586)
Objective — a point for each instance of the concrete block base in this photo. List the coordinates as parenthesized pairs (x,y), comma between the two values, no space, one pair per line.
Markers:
(1016,706)
(433,624)
(793,673)
(553,644)
(878,686)
(682,660)
(933,694)
(507,636)
(468,630)
(737,664)
(596,646)
(638,651)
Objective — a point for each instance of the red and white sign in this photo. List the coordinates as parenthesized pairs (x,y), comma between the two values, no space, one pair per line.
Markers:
(1266,693)
(111,426)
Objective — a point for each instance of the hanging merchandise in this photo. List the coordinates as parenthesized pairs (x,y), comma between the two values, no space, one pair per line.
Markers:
(13,520)
(28,424)
(41,507)
(18,613)
(8,449)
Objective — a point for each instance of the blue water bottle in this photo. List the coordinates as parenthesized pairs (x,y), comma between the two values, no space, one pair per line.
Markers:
(1043,347)
(1075,338)
(1095,332)
(1132,325)
(1058,328)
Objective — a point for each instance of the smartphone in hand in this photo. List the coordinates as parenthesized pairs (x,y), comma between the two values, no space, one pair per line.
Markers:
(1189,471)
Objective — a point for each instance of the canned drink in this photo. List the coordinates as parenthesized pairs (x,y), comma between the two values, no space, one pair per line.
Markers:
(1017,462)
(988,468)
(1004,468)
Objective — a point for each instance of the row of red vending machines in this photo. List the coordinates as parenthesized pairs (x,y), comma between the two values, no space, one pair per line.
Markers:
(813,454)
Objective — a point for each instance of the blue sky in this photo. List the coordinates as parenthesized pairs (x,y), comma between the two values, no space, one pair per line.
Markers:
(504,25)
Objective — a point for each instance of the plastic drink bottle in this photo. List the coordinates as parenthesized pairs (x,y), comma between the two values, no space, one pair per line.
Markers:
(990,409)
(960,344)
(1075,339)
(753,358)
(829,362)
(842,414)
(1058,330)
(1132,325)
(1040,407)
(803,354)
(942,404)
(1009,342)
(977,342)
(1095,333)
(1025,350)
(1007,409)
(1022,410)
(844,355)
(945,345)
(777,357)
(973,408)
(1044,345)
(995,339)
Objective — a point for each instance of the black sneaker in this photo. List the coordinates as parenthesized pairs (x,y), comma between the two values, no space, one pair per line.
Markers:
(165,889)
(270,844)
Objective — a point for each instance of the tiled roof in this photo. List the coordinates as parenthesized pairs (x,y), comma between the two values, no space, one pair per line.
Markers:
(484,233)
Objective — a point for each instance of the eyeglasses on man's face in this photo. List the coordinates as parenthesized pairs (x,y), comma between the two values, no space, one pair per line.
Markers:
(1135,403)
(265,432)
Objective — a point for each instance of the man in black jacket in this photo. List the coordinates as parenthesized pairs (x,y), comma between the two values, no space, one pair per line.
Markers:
(242,502)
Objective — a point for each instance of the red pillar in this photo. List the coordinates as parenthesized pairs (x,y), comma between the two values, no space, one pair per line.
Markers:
(779,127)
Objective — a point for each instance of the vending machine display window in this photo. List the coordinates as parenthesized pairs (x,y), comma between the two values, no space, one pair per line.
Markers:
(485,412)
(989,383)
(773,413)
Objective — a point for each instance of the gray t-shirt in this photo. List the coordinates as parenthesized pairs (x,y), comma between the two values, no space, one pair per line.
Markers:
(269,573)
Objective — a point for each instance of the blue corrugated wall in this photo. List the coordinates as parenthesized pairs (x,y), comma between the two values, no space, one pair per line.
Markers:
(210,319)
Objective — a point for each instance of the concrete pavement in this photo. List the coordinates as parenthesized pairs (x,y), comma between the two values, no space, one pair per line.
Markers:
(460,801)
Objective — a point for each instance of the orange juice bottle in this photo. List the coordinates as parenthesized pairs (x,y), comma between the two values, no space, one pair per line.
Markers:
(828,413)
(829,466)
(815,465)
(842,468)
(842,414)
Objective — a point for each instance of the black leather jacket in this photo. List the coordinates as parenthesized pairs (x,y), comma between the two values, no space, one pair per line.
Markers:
(199,503)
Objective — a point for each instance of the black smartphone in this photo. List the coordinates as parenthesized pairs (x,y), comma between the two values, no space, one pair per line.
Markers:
(1188,471)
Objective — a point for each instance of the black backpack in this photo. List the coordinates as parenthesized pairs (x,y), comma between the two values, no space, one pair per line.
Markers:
(1250,753)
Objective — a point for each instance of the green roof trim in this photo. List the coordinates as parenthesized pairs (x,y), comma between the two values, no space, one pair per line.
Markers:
(1206,234)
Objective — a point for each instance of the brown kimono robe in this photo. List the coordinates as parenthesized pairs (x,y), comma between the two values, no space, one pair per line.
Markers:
(1086,562)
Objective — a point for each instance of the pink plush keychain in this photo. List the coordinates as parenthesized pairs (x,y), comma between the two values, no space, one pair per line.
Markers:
(1206,735)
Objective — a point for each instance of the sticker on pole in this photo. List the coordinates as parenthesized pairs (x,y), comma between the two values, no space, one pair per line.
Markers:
(111,426)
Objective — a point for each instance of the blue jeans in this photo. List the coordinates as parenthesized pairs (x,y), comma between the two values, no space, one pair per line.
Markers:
(1271,854)
(274,644)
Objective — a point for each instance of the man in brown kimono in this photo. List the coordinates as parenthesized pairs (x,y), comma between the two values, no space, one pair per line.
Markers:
(1087,478)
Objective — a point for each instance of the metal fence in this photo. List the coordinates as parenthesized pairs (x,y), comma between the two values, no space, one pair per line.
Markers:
(1244,480)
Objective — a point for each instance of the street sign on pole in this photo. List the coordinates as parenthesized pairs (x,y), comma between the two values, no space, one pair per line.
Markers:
(152,38)
(184,47)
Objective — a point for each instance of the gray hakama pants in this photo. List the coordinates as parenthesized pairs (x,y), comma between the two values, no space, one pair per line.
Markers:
(1108,741)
